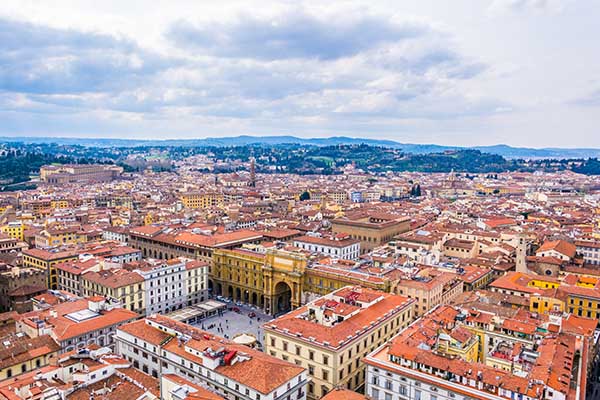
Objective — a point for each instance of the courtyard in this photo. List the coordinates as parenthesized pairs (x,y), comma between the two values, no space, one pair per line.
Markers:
(233,323)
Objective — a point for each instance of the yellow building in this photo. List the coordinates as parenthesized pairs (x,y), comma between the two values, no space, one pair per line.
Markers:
(580,293)
(38,208)
(337,196)
(278,280)
(119,284)
(148,219)
(584,302)
(331,335)
(59,203)
(47,260)
(460,343)
(14,229)
(271,280)
(499,338)
(543,283)
(542,304)
(22,354)
(202,200)
(323,279)
(60,236)
(490,190)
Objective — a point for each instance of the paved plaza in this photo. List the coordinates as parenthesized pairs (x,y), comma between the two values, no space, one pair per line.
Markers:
(232,323)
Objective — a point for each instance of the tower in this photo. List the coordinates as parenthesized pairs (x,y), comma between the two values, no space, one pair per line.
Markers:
(252,172)
(521,262)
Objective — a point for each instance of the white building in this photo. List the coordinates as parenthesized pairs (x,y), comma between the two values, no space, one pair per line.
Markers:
(116,233)
(160,346)
(589,250)
(339,246)
(196,281)
(170,285)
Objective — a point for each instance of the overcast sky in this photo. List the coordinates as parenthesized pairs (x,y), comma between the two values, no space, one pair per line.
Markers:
(473,72)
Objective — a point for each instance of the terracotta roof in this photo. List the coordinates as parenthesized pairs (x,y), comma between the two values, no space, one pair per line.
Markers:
(65,328)
(18,349)
(260,372)
(561,246)
(344,394)
(338,334)
(113,278)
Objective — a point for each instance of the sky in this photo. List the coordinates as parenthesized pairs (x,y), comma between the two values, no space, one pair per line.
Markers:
(460,72)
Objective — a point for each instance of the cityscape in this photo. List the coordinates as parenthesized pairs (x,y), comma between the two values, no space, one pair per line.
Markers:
(277,201)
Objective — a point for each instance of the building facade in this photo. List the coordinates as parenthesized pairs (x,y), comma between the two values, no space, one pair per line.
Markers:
(371,230)
(330,336)
(272,281)
(47,261)
(340,246)
(127,287)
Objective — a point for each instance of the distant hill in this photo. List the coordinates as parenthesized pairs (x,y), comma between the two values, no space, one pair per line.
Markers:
(500,149)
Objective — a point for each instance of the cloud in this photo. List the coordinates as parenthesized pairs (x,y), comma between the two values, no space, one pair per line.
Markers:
(522,6)
(42,60)
(293,34)
(249,73)
(590,100)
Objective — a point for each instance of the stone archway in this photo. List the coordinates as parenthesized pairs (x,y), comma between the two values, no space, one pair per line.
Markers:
(238,294)
(218,288)
(282,298)
(255,299)
(230,292)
